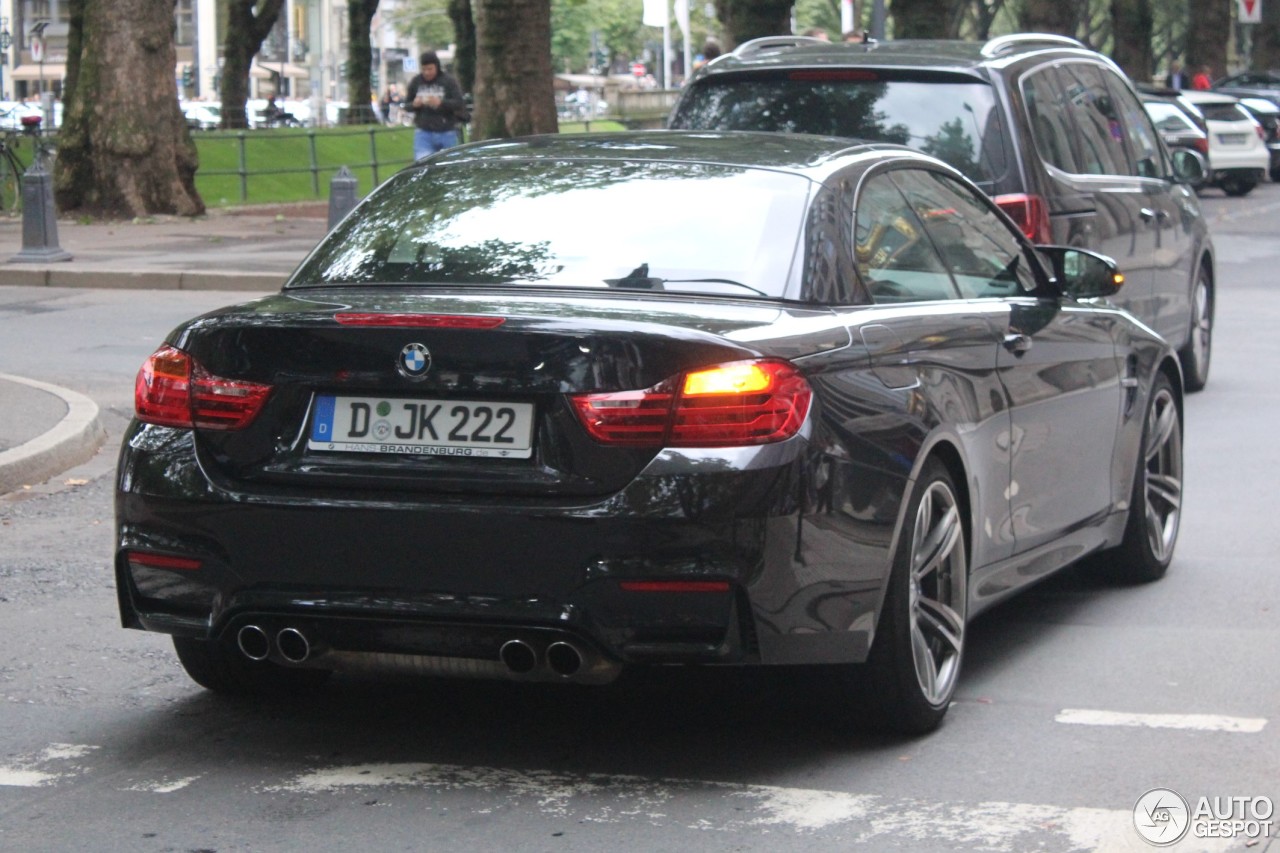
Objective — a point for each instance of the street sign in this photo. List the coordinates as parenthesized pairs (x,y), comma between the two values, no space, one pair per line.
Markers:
(37,49)
(1249,11)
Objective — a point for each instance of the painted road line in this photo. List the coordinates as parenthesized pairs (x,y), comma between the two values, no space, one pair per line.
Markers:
(858,819)
(32,771)
(1194,722)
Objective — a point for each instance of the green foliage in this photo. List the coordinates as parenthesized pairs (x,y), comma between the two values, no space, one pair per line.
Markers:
(425,20)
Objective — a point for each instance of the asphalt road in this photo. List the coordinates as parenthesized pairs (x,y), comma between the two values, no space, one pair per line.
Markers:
(1076,699)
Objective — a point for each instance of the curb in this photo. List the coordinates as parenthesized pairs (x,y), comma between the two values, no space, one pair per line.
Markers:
(42,276)
(73,440)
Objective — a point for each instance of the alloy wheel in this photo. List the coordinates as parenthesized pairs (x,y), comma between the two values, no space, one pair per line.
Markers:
(936,593)
(1162,474)
(1202,328)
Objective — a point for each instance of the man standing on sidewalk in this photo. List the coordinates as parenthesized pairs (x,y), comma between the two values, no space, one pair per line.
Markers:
(435,99)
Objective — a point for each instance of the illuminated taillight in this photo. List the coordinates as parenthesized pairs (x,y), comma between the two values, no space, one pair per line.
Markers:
(419,321)
(162,561)
(172,389)
(1029,213)
(674,586)
(740,403)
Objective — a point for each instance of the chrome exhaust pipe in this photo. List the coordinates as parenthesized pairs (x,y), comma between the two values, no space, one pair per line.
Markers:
(565,659)
(253,642)
(518,656)
(293,644)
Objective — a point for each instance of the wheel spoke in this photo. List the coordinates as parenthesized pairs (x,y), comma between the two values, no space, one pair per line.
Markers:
(938,544)
(1162,427)
(926,666)
(941,622)
(1165,487)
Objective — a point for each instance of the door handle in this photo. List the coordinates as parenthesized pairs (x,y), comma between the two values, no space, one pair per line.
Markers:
(1017,343)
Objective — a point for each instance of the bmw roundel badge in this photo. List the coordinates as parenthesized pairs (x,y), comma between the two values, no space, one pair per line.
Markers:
(414,361)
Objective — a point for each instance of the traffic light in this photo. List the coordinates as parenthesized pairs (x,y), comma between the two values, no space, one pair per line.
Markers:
(187,77)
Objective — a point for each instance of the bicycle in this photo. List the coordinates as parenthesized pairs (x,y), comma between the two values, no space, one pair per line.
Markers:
(11,166)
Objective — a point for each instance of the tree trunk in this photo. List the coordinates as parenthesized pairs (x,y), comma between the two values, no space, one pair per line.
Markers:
(1266,39)
(1210,32)
(124,150)
(464,33)
(360,61)
(925,19)
(513,91)
(744,20)
(1052,16)
(1132,28)
(246,30)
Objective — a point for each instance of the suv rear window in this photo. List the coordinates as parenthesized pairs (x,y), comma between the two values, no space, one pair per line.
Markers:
(1223,112)
(955,120)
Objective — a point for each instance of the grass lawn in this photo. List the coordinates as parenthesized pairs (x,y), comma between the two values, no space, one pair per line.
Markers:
(287,165)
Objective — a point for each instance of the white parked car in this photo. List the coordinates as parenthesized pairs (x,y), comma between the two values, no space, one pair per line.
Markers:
(202,115)
(1238,155)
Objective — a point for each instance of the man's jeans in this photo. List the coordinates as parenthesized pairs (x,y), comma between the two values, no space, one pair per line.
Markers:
(428,142)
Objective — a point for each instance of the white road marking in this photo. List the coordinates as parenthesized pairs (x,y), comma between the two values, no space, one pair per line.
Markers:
(23,773)
(1197,722)
(859,818)
(163,787)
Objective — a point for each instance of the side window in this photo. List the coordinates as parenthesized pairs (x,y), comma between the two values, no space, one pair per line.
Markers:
(985,256)
(1148,158)
(1051,119)
(1099,135)
(896,259)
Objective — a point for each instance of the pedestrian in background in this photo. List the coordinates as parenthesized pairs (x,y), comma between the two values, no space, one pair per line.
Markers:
(1201,81)
(391,104)
(1177,78)
(436,101)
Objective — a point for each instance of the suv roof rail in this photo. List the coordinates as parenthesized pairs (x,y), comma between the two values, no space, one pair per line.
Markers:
(768,42)
(1003,44)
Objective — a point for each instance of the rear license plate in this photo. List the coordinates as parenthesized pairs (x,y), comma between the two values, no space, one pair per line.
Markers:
(422,427)
(1233,138)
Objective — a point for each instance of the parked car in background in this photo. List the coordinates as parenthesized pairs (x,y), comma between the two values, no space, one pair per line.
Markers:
(1054,132)
(202,115)
(1267,114)
(1181,127)
(767,423)
(1251,84)
(1238,154)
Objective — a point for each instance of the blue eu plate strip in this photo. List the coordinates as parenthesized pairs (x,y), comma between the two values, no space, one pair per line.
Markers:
(322,422)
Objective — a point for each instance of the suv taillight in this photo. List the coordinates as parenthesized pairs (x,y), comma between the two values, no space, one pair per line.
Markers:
(172,389)
(1029,212)
(1202,145)
(739,403)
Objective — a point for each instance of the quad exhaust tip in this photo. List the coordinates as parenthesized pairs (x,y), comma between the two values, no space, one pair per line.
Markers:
(254,642)
(293,645)
(518,656)
(565,659)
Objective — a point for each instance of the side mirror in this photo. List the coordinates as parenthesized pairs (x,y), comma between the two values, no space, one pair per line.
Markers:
(1189,167)
(1081,273)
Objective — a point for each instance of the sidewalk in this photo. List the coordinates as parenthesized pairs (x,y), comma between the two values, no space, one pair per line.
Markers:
(240,249)
(45,430)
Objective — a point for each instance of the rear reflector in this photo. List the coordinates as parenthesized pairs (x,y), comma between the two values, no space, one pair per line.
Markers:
(1029,213)
(420,321)
(674,586)
(729,405)
(162,561)
(172,389)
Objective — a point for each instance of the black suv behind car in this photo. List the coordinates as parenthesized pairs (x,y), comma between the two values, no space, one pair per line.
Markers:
(1054,132)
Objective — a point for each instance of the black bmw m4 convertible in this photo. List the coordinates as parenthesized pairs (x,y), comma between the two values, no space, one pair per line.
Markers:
(544,409)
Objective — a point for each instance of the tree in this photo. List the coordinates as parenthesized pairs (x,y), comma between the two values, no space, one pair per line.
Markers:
(1212,32)
(464,39)
(927,19)
(1052,16)
(360,61)
(1266,42)
(1132,27)
(744,20)
(249,22)
(124,149)
(513,90)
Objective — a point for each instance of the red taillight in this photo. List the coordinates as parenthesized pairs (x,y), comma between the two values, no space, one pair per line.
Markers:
(674,586)
(162,561)
(1029,212)
(1202,145)
(740,403)
(172,389)
(1262,132)
(419,321)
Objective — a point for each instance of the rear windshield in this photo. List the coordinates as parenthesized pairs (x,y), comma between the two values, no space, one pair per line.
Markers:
(1223,112)
(954,120)
(683,227)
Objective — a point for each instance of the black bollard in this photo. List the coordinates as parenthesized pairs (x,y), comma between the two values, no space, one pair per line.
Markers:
(39,219)
(342,195)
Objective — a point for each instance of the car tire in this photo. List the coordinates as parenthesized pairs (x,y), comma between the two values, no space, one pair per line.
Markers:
(221,668)
(1155,509)
(914,665)
(1237,186)
(1197,353)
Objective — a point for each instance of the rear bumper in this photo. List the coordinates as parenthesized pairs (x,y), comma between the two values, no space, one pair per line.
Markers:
(760,576)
